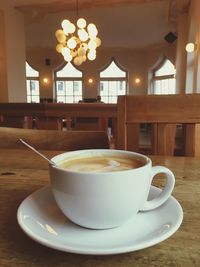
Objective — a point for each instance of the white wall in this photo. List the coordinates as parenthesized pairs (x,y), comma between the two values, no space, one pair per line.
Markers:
(137,62)
(15,53)
(193,59)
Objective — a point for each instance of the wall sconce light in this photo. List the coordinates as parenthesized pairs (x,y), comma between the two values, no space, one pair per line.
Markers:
(45,80)
(190,47)
(137,80)
(90,80)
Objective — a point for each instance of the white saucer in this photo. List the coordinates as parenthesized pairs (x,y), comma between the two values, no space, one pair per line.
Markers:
(40,218)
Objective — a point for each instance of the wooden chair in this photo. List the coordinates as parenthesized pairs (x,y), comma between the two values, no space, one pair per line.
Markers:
(164,113)
(52,139)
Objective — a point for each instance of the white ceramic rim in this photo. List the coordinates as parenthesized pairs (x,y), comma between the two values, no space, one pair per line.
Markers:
(57,159)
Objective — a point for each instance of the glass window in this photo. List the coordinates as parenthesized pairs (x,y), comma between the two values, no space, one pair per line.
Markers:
(32,85)
(113,71)
(164,81)
(113,82)
(68,84)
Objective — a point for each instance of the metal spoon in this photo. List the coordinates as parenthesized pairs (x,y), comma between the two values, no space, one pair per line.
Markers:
(36,151)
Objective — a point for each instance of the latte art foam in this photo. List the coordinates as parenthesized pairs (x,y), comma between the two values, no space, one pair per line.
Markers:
(100,164)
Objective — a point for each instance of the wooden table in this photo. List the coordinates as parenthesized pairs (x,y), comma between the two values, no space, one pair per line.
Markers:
(22,172)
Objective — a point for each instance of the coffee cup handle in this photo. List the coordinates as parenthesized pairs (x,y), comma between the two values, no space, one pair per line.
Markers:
(165,193)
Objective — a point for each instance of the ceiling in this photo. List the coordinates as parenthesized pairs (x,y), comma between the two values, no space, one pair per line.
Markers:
(121,23)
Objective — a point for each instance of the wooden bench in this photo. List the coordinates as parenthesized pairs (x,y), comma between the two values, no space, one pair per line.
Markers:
(163,113)
(53,139)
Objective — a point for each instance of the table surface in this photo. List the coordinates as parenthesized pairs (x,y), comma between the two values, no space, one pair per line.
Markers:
(22,172)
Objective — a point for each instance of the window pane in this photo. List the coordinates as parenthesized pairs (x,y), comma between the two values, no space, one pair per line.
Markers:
(28,98)
(165,86)
(166,69)
(69,87)
(112,71)
(34,87)
(172,86)
(30,72)
(121,88)
(60,99)
(69,99)
(113,88)
(32,84)
(113,99)
(77,98)
(69,71)
(104,99)
(35,99)
(104,88)
(110,88)
(60,88)
(28,87)
(77,88)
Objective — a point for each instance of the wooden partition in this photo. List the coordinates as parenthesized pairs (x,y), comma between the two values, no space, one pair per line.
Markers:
(163,113)
(49,115)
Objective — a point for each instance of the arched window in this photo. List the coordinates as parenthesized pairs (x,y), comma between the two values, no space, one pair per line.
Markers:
(68,84)
(113,82)
(32,85)
(164,81)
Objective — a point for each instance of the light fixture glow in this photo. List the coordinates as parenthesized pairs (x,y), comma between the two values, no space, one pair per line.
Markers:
(45,80)
(81,23)
(77,43)
(137,80)
(90,80)
(190,47)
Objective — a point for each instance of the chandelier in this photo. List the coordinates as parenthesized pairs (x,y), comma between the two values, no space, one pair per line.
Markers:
(78,42)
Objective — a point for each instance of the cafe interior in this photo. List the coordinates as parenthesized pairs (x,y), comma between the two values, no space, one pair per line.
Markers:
(102,74)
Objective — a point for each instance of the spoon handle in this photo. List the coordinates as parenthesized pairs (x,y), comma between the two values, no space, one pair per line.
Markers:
(36,151)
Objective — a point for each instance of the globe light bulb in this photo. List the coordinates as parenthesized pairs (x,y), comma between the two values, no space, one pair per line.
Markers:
(65,51)
(59,48)
(83,35)
(92,45)
(65,24)
(77,44)
(92,30)
(77,61)
(58,32)
(61,38)
(84,58)
(71,43)
(91,27)
(81,52)
(91,55)
(68,58)
(190,47)
(71,28)
(98,41)
(81,23)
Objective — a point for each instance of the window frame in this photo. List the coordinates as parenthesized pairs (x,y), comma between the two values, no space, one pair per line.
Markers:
(161,77)
(30,79)
(115,79)
(66,79)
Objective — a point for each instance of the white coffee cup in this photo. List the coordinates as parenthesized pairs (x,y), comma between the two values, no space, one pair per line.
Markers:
(101,200)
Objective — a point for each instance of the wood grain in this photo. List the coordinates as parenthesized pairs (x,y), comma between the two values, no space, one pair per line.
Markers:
(28,172)
(163,112)
(52,139)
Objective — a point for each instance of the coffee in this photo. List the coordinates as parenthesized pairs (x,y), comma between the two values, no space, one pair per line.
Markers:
(100,164)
